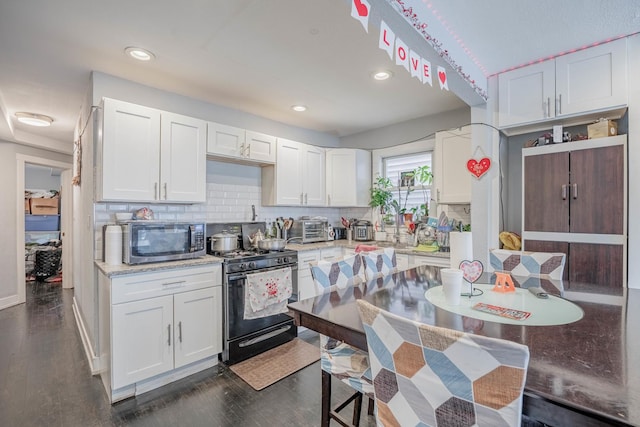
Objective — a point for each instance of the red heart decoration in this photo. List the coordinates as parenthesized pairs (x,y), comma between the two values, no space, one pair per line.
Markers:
(471,270)
(442,76)
(479,168)
(361,8)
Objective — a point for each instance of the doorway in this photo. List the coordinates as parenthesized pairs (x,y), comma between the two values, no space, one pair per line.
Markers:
(24,163)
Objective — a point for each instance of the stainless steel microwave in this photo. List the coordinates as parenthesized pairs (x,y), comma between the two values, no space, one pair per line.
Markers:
(156,241)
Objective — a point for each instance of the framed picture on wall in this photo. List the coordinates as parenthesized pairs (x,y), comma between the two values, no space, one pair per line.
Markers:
(407,179)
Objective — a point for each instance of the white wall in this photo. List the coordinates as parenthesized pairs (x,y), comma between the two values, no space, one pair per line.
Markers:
(633,143)
(406,132)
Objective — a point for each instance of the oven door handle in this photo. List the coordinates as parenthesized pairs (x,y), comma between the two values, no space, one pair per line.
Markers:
(261,338)
(243,276)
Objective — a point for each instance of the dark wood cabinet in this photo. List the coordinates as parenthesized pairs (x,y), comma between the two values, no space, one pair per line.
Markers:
(574,199)
(578,192)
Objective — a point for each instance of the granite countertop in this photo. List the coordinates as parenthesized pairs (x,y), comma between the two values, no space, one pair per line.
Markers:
(400,248)
(118,270)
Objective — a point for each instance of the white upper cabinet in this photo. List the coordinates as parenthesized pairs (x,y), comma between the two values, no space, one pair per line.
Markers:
(452,180)
(260,147)
(225,140)
(231,143)
(589,80)
(348,177)
(147,155)
(297,179)
(183,166)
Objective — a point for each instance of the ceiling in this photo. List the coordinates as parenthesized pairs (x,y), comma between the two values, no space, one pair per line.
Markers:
(261,57)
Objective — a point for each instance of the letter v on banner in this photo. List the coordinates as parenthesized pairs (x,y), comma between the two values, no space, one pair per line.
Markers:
(415,63)
(387,39)
(360,10)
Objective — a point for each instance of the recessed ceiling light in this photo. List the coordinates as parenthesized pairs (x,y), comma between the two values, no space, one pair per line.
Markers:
(382,75)
(32,119)
(299,108)
(139,53)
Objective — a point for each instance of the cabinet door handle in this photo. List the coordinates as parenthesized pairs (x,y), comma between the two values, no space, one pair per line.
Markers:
(169,334)
(306,200)
(560,103)
(564,191)
(301,198)
(548,107)
(575,191)
(248,150)
(155,191)
(328,199)
(242,150)
(165,191)
(174,284)
(180,331)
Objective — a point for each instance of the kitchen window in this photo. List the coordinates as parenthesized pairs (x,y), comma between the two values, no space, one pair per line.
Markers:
(396,168)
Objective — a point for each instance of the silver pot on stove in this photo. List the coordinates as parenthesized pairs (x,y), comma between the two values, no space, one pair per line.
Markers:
(224,242)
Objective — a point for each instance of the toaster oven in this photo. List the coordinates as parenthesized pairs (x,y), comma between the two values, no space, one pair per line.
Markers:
(310,230)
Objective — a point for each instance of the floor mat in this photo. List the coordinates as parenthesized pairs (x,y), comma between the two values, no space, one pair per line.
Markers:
(271,366)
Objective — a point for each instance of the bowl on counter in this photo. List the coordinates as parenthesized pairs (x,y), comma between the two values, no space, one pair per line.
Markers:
(123,216)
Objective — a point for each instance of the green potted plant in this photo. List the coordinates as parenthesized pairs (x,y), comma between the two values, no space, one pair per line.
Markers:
(381,195)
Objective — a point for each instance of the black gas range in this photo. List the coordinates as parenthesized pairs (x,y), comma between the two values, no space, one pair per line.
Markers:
(245,338)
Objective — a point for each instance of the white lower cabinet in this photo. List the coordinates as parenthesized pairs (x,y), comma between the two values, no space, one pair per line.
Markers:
(159,327)
(402,260)
(306,289)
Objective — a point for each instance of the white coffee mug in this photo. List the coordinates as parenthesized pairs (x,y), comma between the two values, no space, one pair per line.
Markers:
(451,285)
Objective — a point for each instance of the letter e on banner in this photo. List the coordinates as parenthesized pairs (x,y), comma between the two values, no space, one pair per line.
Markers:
(415,62)
(387,39)
(426,72)
(402,54)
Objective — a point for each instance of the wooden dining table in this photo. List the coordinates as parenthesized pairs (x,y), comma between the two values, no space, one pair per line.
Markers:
(583,373)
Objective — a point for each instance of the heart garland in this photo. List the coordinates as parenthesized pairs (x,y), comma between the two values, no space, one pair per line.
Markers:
(471,270)
(479,167)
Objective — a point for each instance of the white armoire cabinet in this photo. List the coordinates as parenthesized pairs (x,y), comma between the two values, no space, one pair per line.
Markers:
(451,179)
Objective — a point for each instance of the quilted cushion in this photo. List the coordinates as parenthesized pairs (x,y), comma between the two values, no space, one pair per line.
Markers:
(429,376)
(521,263)
(341,274)
(380,263)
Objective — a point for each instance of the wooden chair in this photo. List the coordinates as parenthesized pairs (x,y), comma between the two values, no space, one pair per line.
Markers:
(337,359)
(426,375)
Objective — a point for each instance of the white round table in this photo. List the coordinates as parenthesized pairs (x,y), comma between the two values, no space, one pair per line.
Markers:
(543,312)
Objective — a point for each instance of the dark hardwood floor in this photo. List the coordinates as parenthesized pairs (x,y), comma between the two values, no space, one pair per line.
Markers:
(45,381)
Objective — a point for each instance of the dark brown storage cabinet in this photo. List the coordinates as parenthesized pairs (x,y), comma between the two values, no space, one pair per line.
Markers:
(575,203)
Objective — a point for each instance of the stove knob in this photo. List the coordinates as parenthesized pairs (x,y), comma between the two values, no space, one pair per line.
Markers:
(252,265)
(284,260)
(241,267)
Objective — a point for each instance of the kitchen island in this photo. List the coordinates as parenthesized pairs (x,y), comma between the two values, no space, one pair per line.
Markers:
(584,373)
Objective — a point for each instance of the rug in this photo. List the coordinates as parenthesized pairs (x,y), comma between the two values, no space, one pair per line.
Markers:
(273,365)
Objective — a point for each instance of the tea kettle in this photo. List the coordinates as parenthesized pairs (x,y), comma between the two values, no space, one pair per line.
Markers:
(257,237)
